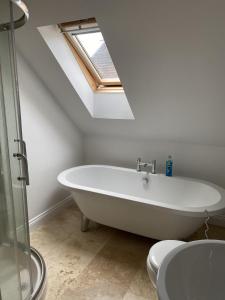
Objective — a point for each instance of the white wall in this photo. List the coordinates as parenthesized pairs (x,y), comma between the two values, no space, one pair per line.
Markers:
(171,61)
(53,141)
(193,160)
(112,106)
(170,57)
(64,56)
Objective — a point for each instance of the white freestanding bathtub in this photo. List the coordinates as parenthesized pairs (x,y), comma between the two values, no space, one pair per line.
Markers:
(151,205)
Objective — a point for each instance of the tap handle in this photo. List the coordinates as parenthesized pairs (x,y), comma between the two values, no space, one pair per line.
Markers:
(139,164)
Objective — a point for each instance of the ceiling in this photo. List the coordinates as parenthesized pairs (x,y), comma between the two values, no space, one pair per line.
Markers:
(170,57)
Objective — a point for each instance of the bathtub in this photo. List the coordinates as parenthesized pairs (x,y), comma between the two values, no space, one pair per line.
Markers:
(151,205)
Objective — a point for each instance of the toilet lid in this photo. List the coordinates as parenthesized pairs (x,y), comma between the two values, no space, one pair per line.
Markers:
(159,251)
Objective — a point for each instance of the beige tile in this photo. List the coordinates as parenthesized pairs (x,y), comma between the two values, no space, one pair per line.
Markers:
(100,289)
(130,296)
(68,260)
(141,285)
(101,264)
(110,272)
(65,249)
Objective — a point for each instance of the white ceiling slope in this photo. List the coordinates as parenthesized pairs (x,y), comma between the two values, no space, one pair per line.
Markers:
(170,56)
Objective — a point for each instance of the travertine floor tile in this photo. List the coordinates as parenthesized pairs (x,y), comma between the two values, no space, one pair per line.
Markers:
(130,296)
(110,272)
(141,285)
(101,264)
(100,289)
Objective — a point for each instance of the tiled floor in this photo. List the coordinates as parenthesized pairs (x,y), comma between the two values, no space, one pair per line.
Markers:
(101,264)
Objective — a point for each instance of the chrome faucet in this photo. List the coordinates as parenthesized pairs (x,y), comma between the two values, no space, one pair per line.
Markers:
(151,164)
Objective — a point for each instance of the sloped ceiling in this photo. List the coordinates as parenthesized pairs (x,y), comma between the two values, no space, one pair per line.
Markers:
(169,54)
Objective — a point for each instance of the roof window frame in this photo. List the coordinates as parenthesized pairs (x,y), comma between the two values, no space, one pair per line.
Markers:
(90,72)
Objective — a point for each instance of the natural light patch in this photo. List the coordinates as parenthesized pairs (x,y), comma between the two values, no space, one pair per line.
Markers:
(95,47)
(91,42)
(100,105)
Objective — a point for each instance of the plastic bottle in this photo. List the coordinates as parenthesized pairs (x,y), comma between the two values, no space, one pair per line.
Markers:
(169,166)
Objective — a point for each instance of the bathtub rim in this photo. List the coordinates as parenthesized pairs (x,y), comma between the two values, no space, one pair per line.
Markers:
(212,210)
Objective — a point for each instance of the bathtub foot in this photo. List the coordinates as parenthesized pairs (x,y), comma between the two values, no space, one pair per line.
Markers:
(84,223)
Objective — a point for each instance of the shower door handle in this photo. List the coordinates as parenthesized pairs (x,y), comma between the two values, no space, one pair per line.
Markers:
(24,147)
(24,159)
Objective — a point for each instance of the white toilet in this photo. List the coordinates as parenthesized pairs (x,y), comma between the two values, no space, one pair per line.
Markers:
(156,255)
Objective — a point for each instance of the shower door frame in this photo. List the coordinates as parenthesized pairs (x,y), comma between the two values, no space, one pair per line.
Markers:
(15,169)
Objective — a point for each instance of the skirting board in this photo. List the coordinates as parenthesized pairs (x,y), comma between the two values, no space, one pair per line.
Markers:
(51,211)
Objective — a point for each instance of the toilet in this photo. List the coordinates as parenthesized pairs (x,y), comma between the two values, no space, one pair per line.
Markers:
(156,255)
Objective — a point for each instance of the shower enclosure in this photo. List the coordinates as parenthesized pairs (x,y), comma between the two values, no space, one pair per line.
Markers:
(16,256)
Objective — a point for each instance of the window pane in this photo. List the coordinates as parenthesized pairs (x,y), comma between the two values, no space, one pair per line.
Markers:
(96,49)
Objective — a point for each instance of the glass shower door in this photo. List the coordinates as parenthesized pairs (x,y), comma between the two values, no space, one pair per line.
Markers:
(15,272)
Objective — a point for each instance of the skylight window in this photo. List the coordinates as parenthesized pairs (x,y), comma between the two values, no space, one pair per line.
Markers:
(88,45)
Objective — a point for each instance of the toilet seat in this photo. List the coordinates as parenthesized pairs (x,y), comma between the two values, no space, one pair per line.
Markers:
(156,255)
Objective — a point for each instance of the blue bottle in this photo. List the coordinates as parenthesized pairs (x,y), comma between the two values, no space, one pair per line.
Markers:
(169,166)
